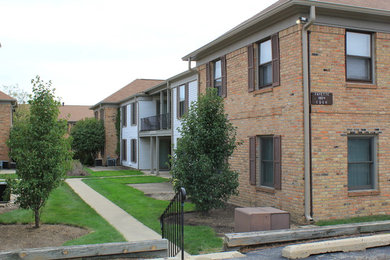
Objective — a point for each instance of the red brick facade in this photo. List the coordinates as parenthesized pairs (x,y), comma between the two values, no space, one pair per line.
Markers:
(5,127)
(279,111)
(109,117)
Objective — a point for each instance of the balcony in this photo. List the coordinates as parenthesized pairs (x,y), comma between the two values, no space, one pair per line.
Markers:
(153,123)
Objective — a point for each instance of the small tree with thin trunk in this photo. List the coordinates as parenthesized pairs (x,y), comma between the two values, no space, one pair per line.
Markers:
(40,149)
(200,162)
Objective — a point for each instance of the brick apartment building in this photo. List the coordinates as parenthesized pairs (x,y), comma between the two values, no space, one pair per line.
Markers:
(307,85)
(107,110)
(7,104)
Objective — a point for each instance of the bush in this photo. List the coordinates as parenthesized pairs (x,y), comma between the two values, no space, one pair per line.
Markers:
(88,139)
(77,169)
(200,162)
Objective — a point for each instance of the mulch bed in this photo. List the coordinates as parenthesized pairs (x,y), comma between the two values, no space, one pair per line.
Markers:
(221,220)
(15,237)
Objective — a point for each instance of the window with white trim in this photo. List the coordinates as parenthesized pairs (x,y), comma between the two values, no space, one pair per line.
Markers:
(359,56)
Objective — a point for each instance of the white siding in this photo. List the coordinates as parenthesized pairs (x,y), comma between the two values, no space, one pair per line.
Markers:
(144,153)
(192,96)
(129,132)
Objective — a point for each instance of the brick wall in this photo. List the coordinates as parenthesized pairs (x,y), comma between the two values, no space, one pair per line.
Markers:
(356,106)
(110,132)
(279,111)
(271,111)
(5,126)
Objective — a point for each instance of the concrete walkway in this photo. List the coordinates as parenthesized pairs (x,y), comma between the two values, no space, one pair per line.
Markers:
(128,226)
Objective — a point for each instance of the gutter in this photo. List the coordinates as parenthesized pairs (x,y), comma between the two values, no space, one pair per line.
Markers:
(306,116)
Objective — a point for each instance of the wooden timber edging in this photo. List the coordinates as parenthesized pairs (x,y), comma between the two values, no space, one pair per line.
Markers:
(236,240)
(141,249)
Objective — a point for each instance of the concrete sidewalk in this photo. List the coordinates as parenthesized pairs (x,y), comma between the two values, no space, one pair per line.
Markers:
(128,226)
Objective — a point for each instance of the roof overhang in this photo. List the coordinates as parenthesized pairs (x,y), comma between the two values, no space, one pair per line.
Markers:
(280,12)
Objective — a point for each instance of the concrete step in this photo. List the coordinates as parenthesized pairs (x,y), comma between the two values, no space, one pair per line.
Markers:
(339,245)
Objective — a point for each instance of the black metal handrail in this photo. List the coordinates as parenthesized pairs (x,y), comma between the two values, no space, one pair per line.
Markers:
(172,224)
(157,122)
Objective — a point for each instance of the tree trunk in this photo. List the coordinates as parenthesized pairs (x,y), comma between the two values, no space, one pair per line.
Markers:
(36,213)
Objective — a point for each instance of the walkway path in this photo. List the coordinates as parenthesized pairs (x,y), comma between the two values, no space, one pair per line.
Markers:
(128,226)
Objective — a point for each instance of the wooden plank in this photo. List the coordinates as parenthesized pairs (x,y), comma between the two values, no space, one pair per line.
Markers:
(157,248)
(285,235)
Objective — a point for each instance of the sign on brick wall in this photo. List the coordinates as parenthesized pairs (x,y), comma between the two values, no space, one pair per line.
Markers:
(321,98)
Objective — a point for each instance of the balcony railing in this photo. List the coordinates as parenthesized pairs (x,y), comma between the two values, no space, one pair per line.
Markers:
(159,122)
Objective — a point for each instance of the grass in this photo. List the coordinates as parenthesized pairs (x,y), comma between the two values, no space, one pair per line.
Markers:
(4,176)
(108,173)
(65,207)
(197,239)
(353,220)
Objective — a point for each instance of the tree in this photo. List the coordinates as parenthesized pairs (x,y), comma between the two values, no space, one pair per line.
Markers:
(88,139)
(16,92)
(40,149)
(200,161)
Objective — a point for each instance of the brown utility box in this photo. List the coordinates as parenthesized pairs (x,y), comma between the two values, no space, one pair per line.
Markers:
(260,218)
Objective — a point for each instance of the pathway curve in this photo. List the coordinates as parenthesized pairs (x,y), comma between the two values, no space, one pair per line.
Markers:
(128,226)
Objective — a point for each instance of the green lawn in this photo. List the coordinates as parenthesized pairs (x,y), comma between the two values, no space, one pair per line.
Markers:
(353,220)
(4,176)
(198,239)
(110,173)
(65,207)
(93,174)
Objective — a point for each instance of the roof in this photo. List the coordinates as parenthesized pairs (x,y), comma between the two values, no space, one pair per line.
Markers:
(75,113)
(5,97)
(371,4)
(136,86)
(280,9)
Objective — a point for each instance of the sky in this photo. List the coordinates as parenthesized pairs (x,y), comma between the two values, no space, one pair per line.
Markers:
(91,48)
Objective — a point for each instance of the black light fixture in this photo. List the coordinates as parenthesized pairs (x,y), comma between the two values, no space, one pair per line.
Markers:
(302,20)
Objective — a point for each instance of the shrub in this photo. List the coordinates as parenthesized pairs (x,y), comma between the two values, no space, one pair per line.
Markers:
(88,139)
(200,161)
(77,169)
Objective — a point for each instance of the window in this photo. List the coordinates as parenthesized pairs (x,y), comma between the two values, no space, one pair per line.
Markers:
(102,114)
(216,76)
(124,150)
(96,115)
(134,113)
(264,64)
(361,162)
(124,116)
(358,56)
(182,100)
(265,161)
(133,150)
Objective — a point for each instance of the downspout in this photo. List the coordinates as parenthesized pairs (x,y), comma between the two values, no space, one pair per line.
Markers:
(306,114)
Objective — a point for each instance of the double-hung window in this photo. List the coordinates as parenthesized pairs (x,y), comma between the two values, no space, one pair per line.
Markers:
(124,116)
(134,150)
(218,77)
(134,113)
(102,114)
(358,56)
(124,150)
(265,161)
(181,92)
(265,63)
(361,162)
